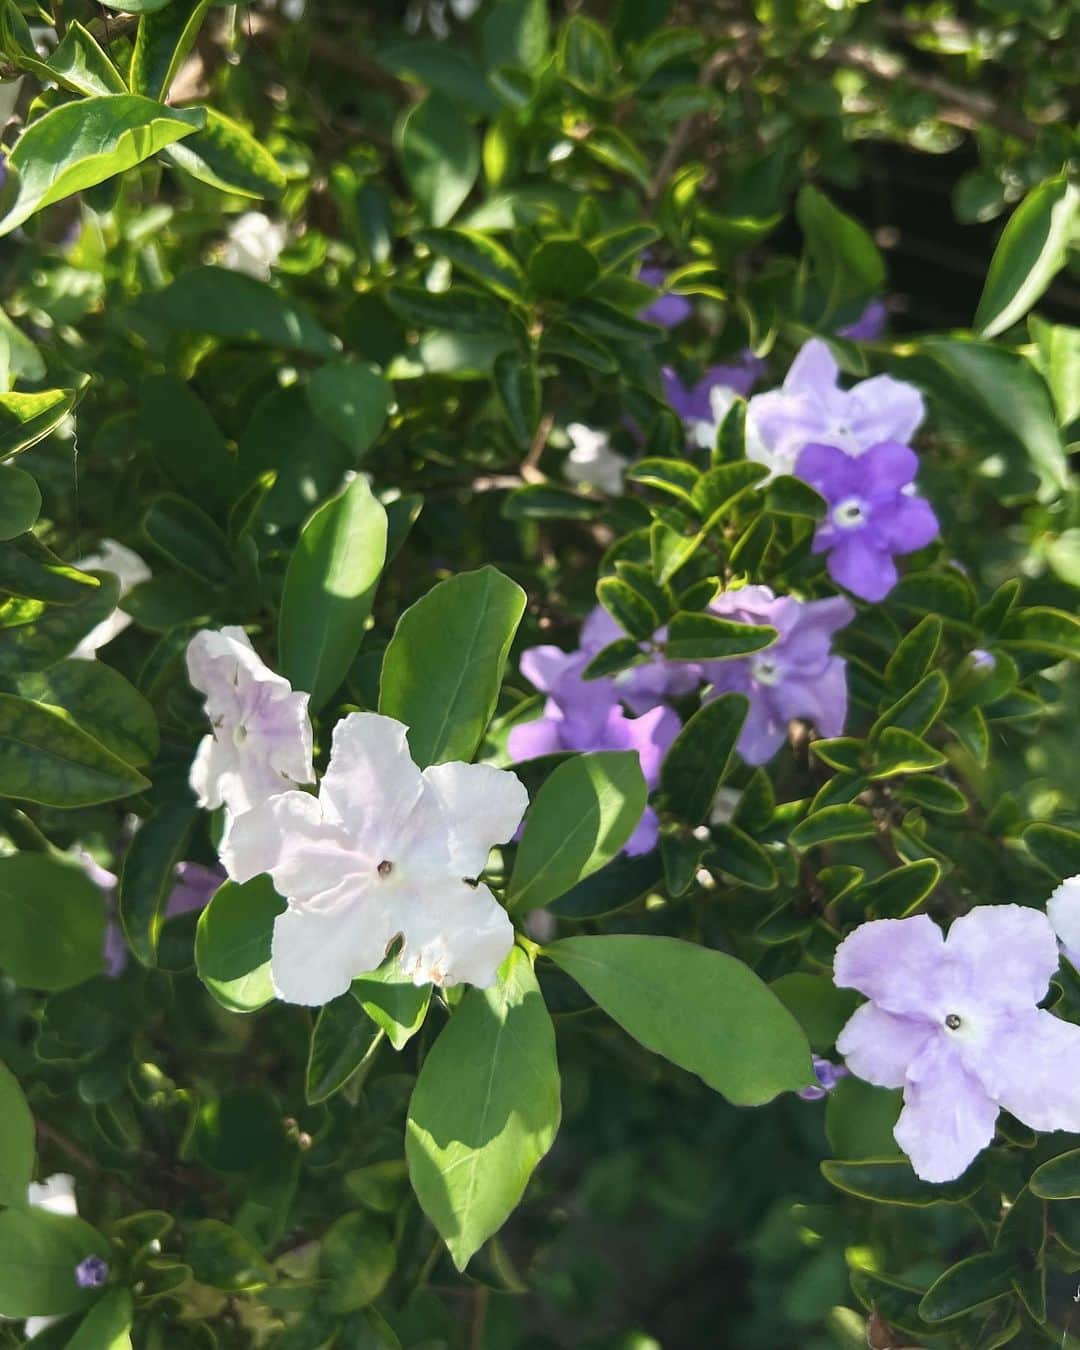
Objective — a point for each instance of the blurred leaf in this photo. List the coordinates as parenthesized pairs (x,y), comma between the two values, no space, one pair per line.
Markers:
(479,257)
(38,1253)
(518,386)
(226,155)
(232,944)
(439,155)
(163,39)
(358,1257)
(846,261)
(149,875)
(890,1181)
(238,308)
(26,419)
(562,268)
(107,1325)
(969,1284)
(222,1258)
(16,1141)
(187,536)
(819,1007)
(52,926)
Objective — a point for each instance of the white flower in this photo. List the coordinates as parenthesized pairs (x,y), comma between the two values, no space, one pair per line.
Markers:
(253,245)
(384,851)
(592,460)
(57,1195)
(130,570)
(261,741)
(434,13)
(1063,911)
(724,806)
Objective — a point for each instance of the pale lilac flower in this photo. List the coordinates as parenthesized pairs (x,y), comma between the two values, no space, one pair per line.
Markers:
(641,687)
(582,715)
(383,852)
(872,513)
(869,325)
(253,245)
(1063,911)
(91,1272)
(812,408)
(668,311)
(954,1022)
(827,1074)
(130,570)
(592,462)
(797,677)
(703,407)
(261,741)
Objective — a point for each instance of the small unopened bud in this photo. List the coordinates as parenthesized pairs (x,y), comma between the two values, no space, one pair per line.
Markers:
(91,1272)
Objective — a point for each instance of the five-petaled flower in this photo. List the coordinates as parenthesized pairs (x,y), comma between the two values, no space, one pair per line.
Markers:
(954,1022)
(812,408)
(261,739)
(872,513)
(383,852)
(797,677)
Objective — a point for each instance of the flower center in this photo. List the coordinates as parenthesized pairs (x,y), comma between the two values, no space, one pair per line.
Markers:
(954,1021)
(385,868)
(849,514)
(765,670)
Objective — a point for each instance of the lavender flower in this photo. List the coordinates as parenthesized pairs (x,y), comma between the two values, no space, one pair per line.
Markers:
(954,1022)
(642,687)
(702,407)
(828,1075)
(798,676)
(1063,911)
(811,407)
(869,325)
(668,311)
(872,515)
(586,715)
(91,1272)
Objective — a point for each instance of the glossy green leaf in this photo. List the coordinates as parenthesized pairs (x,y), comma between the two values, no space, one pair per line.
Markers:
(440,156)
(329,590)
(52,923)
(20,502)
(1042,629)
(79,144)
(480,257)
(443,668)
(162,41)
(46,758)
(832,825)
(352,400)
(703,1010)
(914,654)
(29,569)
(186,535)
(228,157)
(1031,251)
(485,1109)
(102,703)
(699,757)
(917,710)
(343,1041)
(16,1141)
(1058,1179)
(232,944)
(38,1253)
(969,1284)
(107,1326)
(890,1181)
(707,637)
(393,1002)
(222,1258)
(902,891)
(79,63)
(149,874)
(26,419)
(578,821)
(628,607)
(898,752)
(737,855)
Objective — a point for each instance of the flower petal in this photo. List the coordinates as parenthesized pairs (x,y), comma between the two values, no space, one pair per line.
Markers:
(316,954)
(479,806)
(530,740)
(829,471)
(462,938)
(885,409)
(895,962)
(865,571)
(1029,1067)
(371,784)
(650,735)
(545,666)
(878,1046)
(887,467)
(813,370)
(820,698)
(763,732)
(645,835)
(907,524)
(948,1118)
(1006,952)
(289,838)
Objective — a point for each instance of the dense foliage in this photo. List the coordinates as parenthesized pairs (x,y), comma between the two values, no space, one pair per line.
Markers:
(635,403)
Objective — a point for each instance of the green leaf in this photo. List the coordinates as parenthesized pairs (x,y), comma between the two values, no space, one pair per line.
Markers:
(934,794)
(786,496)
(900,892)
(352,401)
(860,1119)
(707,637)
(459,310)
(478,256)
(26,419)
(898,751)
(38,1255)
(913,656)
(343,1041)
(890,1181)
(846,261)
(52,923)
(306,459)
(1042,629)
(46,758)
(918,709)
(222,1258)
(703,1010)
(1032,249)
(79,144)
(699,757)
(579,820)
(819,1007)
(230,305)
(832,825)
(516,33)
(16,1141)
(232,944)
(628,607)
(186,441)
(29,569)
(840,752)
(586,55)
(673,476)
(741,857)
(187,536)
(1055,847)
(228,157)
(1058,1179)
(439,155)
(20,503)
(540,501)
(162,41)
(329,590)
(149,874)
(485,1109)
(1059,360)
(100,702)
(79,63)
(443,668)
(562,269)
(969,1284)
(517,382)
(357,1257)
(393,1002)
(623,882)
(107,1326)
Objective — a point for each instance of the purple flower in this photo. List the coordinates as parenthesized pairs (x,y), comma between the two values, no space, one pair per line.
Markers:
(954,1022)
(811,407)
(872,514)
(669,310)
(91,1272)
(703,406)
(642,687)
(798,676)
(828,1075)
(869,325)
(586,715)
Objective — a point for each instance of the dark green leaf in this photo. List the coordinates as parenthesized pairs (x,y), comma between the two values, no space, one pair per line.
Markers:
(232,944)
(439,155)
(890,1181)
(562,268)
(846,261)
(912,658)
(786,496)
(628,607)
(20,502)
(227,156)
(898,752)
(102,703)
(187,536)
(706,637)
(222,1258)
(518,386)
(185,440)
(739,856)
(819,1007)
(52,923)
(621,883)
(699,757)
(343,1041)
(149,874)
(238,308)
(969,1284)
(900,892)
(357,1257)
(480,257)
(29,569)
(918,710)
(1058,1179)
(16,1141)
(832,825)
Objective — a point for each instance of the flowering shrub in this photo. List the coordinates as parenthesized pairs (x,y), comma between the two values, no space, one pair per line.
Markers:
(537,760)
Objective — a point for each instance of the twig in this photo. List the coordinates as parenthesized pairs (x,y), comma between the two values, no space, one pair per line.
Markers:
(529,472)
